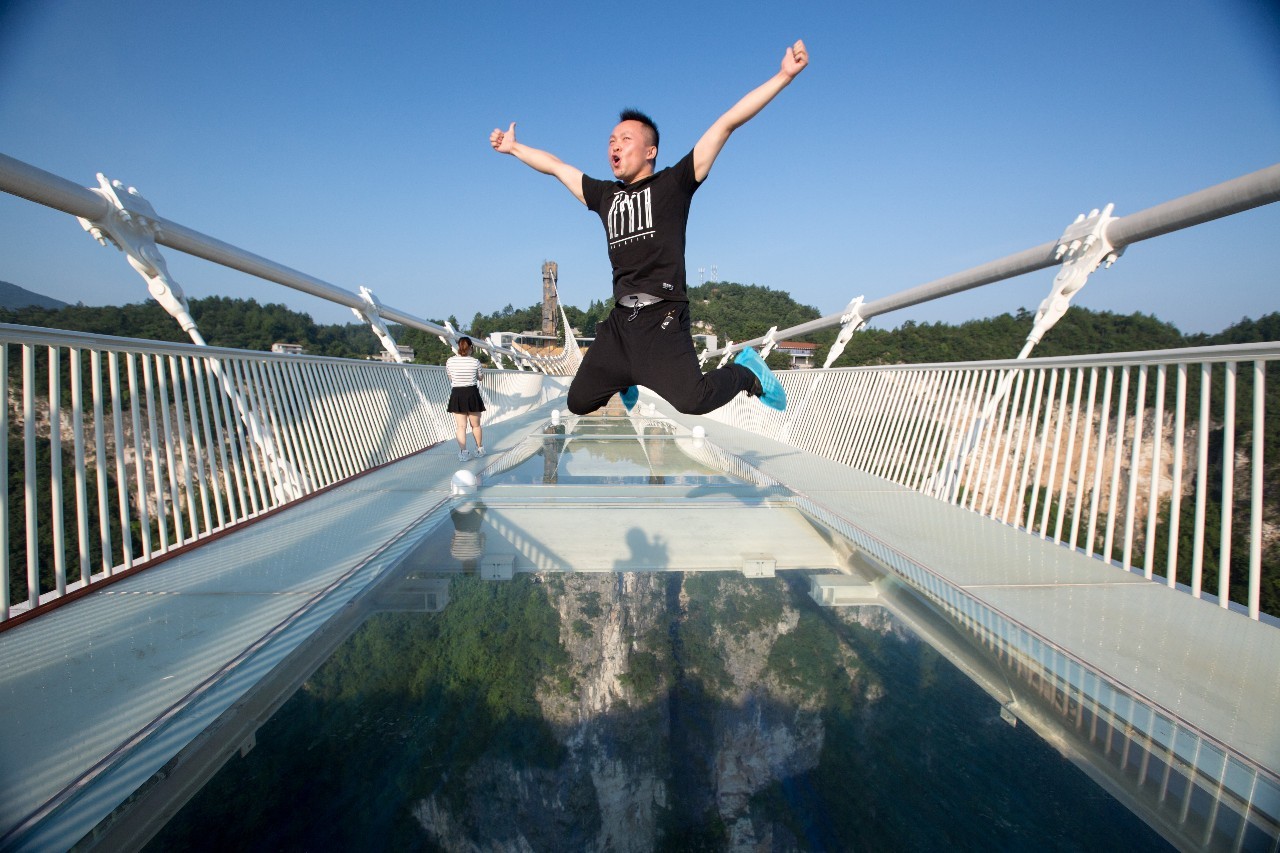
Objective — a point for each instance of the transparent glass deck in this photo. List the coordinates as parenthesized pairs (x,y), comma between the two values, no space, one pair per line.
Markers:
(616,642)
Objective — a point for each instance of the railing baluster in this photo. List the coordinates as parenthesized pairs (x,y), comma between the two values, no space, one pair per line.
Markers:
(139,455)
(1135,453)
(5,521)
(180,420)
(101,461)
(154,454)
(122,482)
(56,524)
(29,467)
(1255,515)
(972,444)
(193,378)
(1073,379)
(82,486)
(1202,482)
(1228,483)
(1095,495)
(243,414)
(1032,455)
(1175,497)
(1153,487)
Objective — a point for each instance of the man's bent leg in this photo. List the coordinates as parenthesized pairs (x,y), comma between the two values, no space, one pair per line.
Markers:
(602,374)
(671,369)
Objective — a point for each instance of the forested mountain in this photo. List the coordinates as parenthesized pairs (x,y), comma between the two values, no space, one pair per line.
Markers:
(12,296)
(733,311)
(227,322)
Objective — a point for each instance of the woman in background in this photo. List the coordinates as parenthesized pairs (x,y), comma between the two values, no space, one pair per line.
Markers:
(464,399)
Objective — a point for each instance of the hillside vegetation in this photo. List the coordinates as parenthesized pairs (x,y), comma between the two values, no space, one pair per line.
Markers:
(733,311)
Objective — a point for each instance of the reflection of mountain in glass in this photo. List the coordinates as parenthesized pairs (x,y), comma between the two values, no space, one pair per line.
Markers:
(639,712)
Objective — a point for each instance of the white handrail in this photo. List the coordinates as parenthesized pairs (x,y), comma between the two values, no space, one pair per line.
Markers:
(35,184)
(1234,196)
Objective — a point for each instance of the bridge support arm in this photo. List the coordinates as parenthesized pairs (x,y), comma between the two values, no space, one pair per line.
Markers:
(1082,248)
(131,225)
(769,342)
(850,321)
(497,355)
(372,315)
(450,338)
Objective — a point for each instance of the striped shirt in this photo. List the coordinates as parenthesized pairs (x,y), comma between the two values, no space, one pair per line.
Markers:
(463,370)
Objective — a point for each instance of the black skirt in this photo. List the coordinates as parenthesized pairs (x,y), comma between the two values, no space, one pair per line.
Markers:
(465,401)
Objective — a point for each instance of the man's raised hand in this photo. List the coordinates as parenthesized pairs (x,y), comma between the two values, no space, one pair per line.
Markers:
(795,60)
(503,142)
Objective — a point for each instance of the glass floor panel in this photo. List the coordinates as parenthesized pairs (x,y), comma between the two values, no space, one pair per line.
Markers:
(582,659)
(605,452)
(642,711)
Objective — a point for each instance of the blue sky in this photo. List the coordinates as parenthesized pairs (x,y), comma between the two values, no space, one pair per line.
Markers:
(350,141)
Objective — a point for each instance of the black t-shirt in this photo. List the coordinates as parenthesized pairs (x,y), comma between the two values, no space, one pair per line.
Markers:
(645,224)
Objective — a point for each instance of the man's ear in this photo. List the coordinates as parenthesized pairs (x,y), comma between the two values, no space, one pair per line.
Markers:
(651,154)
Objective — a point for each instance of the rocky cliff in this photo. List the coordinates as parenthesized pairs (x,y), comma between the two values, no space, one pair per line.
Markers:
(675,723)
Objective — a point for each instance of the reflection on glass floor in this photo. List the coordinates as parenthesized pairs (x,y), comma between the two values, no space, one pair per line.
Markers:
(608,452)
(555,668)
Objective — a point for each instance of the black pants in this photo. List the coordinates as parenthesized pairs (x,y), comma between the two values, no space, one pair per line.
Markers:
(654,350)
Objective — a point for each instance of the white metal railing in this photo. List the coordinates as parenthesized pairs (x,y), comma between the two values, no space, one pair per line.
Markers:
(128,449)
(1084,245)
(1123,456)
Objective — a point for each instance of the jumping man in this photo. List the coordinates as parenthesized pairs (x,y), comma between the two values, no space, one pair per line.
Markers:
(645,340)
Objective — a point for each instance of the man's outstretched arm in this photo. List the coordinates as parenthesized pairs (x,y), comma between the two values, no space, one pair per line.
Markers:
(504,142)
(708,148)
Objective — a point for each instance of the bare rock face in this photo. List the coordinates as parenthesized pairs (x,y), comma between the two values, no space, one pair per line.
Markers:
(669,707)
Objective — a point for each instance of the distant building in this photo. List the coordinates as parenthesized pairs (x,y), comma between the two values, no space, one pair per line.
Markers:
(406,354)
(802,354)
(286,349)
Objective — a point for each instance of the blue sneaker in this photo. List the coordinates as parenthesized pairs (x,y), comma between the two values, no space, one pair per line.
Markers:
(629,397)
(770,391)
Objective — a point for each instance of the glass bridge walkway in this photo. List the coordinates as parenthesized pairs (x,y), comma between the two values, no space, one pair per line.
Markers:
(138,693)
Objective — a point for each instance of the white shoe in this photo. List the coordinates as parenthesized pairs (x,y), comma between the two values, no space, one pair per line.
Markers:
(479,452)
(463,455)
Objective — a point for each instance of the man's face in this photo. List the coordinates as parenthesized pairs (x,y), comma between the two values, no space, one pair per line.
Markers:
(631,154)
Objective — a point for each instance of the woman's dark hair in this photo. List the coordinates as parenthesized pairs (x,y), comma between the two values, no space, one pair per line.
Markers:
(630,114)
(464,340)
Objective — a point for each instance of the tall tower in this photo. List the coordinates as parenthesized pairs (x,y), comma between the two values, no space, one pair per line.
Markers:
(550,298)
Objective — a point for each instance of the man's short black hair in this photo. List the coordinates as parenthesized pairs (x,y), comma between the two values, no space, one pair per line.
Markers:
(631,114)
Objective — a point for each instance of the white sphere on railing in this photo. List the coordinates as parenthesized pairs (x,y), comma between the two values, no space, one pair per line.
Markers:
(699,431)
